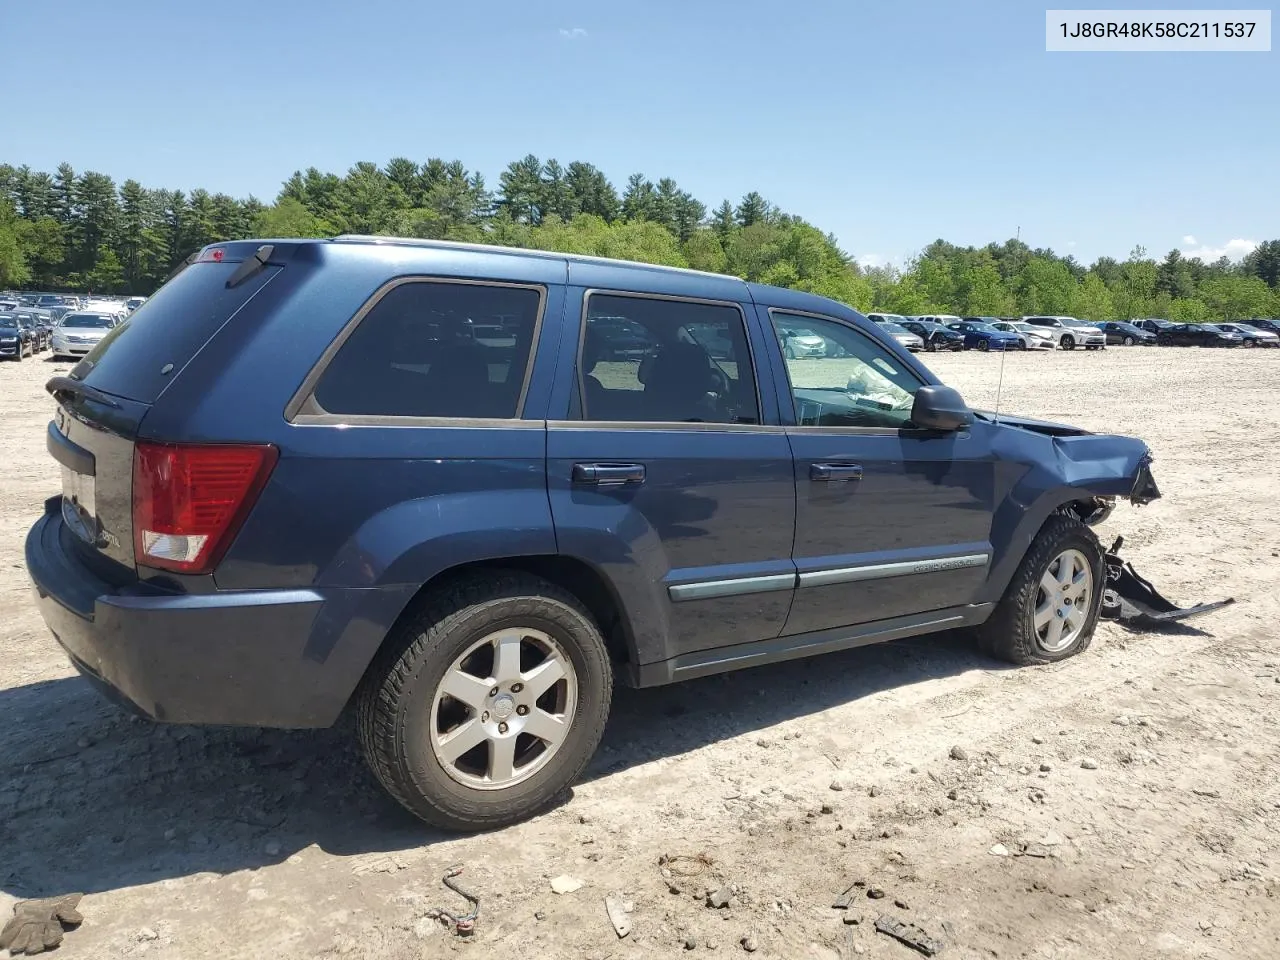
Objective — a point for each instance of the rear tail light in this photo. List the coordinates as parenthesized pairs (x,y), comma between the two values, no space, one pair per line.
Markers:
(190,500)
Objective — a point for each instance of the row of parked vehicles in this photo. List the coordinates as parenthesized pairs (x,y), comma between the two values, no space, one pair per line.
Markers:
(948,332)
(67,325)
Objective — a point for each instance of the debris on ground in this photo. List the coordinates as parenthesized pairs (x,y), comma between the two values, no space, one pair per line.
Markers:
(959,753)
(749,944)
(845,899)
(999,850)
(39,925)
(719,899)
(909,934)
(617,916)
(464,925)
(1132,599)
(565,884)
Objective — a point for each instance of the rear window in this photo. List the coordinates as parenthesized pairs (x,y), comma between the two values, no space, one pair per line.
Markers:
(144,352)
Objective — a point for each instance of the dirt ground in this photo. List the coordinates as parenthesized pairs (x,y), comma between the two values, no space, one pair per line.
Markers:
(1143,774)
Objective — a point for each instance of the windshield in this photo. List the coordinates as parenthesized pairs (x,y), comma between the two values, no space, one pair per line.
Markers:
(982,327)
(9,323)
(897,328)
(92,321)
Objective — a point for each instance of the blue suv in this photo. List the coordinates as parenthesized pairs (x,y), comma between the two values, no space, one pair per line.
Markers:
(459,489)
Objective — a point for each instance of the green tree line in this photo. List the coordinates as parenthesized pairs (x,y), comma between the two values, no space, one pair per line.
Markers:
(80,231)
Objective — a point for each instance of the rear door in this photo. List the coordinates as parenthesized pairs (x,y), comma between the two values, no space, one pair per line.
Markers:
(890,520)
(663,470)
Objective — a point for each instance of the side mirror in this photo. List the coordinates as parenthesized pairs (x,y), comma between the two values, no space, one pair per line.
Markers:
(940,408)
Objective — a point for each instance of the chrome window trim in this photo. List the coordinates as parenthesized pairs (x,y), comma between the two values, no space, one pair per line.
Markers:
(316,415)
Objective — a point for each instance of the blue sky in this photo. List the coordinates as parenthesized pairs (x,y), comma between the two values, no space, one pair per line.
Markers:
(889,124)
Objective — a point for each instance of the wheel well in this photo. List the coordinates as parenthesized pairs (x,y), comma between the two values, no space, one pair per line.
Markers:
(579,578)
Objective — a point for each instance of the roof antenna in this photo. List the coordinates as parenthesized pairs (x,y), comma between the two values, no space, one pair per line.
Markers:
(1000,381)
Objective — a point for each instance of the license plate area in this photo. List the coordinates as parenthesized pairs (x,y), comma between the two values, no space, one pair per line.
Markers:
(79,504)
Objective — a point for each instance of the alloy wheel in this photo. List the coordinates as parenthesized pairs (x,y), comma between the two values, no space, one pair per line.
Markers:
(1063,599)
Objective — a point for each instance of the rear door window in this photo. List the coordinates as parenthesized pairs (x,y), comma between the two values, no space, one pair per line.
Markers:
(435,349)
(146,351)
(658,360)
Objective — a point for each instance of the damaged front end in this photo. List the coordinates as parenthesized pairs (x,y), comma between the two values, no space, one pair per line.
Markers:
(1097,509)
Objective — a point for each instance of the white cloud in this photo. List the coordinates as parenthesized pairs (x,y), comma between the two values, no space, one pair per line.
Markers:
(1232,249)
(1071,243)
(573,33)
(1188,241)
(872,260)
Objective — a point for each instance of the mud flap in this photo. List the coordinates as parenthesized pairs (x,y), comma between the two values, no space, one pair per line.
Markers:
(1132,599)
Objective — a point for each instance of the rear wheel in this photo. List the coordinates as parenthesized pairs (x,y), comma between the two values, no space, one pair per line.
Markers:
(984,346)
(1050,608)
(789,352)
(488,703)
(1128,341)
(1249,343)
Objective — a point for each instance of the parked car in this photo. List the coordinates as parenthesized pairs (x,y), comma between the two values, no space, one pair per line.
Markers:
(934,335)
(1069,333)
(983,336)
(1154,326)
(1127,334)
(1258,323)
(1197,335)
(797,342)
(133,303)
(912,341)
(1253,336)
(1032,337)
(16,341)
(78,333)
(512,531)
(36,325)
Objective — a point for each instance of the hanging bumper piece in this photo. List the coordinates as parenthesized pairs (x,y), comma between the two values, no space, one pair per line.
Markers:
(1132,599)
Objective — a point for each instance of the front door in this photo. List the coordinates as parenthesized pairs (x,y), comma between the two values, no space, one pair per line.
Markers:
(663,476)
(890,520)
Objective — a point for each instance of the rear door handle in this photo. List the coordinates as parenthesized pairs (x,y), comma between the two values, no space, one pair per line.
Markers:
(608,473)
(835,471)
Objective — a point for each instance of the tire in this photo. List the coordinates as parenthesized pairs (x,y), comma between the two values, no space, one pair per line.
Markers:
(788,353)
(401,700)
(1128,341)
(1022,344)
(931,346)
(1248,343)
(983,346)
(1068,342)
(1010,633)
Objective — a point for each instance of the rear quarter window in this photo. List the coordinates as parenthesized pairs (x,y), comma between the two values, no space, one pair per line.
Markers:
(168,330)
(435,349)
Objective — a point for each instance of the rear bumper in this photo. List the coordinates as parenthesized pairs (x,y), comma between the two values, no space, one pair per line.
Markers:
(270,658)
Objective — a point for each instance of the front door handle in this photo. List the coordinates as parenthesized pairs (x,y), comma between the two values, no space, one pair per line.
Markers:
(835,471)
(608,473)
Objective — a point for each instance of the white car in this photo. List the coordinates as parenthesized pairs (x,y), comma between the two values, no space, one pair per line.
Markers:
(78,333)
(904,336)
(1033,337)
(797,342)
(1069,333)
(1253,336)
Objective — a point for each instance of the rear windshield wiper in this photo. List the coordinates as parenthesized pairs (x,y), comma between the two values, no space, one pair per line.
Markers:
(254,265)
(62,387)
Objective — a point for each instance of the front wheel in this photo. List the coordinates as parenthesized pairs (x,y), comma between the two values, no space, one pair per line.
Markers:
(789,353)
(1050,608)
(1249,343)
(487,704)
(1068,343)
